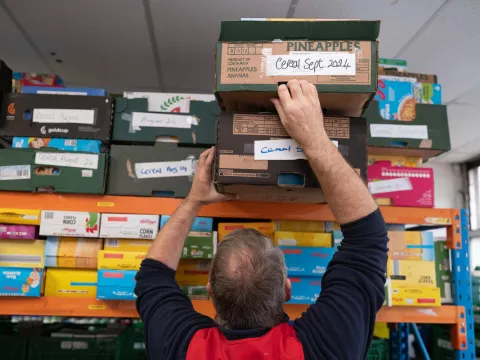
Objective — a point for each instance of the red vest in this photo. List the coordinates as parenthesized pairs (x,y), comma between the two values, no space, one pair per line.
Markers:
(280,343)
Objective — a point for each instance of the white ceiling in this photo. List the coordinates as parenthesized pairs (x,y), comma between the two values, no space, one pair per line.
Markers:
(169,45)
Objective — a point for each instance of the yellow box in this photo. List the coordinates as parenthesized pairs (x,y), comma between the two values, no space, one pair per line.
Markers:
(306,225)
(412,272)
(411,245)
(266,228)
(193,272)
(72,252)
(19,216)
(309,239)
(120,260)
(407,161)
(398,295)
(22,253)
(72,283)
(134,245)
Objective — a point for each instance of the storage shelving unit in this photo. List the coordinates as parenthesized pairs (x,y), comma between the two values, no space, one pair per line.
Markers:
(459,316)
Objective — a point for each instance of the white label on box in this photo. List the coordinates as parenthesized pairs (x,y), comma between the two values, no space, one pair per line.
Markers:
(16,172)
(311,63)
(76,160)
(69,223)
(141,119)
(392,185)
(87,173)
(64,116)
(282,149)
(129,226)
(163,169)
(399,131)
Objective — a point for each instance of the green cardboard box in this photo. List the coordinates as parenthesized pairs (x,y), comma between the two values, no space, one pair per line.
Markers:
(52,170)
(444,275)
(426,136)
(338,57)
(200,245)
(196,292)
(164,170)
(133,123)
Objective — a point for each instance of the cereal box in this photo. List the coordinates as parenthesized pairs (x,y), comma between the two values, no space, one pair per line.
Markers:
(129,226)
(193,272)
(305,289)
(24,254)
(305,225)
(116,285)
(133,245)
(412,272)
(68,252)
(400,295)
(199,224)
(311,239)
(411,245)
(18,232)
(20,281)
(307,261)
(120,260)
(19,216)
(72,283)
(200,245)
(266,228)
(69,223)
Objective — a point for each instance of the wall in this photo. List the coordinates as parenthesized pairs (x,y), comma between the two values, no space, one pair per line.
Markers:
(449,191)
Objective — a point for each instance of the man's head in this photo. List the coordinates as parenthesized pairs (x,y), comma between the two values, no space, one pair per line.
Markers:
(248,281)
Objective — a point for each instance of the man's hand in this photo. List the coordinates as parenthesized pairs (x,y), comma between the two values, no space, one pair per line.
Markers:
(203,192)
(300,113)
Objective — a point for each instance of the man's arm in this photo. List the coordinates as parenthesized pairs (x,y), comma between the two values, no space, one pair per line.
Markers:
(340,324)
(167,313)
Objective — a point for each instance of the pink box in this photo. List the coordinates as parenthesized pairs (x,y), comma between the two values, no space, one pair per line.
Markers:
(16,232)
(405,186)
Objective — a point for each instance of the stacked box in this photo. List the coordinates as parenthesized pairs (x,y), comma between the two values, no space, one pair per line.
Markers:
(25,253)
(200,245)
(266,228)
(129,226)
(199,224)
(72,252)
(70,223)
(71,283)
(309,239)
(81,145)
(306,226)
(33,79)
(19,216)
(444,274)
(305,289)
(20,281)
(116,285)
(120,260)
(15,232)
(133,245)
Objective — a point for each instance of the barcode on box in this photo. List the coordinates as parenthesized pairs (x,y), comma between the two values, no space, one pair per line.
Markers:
(70,142)
(48,215)
(113,242)
(23,173)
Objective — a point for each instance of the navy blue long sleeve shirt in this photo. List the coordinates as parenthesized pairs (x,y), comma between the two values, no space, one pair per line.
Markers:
(338,326)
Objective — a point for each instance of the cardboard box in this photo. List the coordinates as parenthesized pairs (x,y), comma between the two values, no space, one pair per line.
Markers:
(129,226)
(266,228)
(196,292)
(193,272)
(68,252)
(164,170)
(411,245)
(134,123)
(405,161)
(93,146)
(83,117)
(25,253)
(18,232)
(305,289)
(20,281)
(52,171)
(237,167)
(19,216)
(133,245)
(338,57)
(337,238)
(34,79)
(412,272)
(52,90)
(309,239)
(200,245)
(116,285)
(70,223)
(71,283)
(400,295)
(120,260)
(426,136)
(421,78)
(403,186)
(169,102)
(304,225)
(443,272)
(393,64)
(307,261)
(199,224)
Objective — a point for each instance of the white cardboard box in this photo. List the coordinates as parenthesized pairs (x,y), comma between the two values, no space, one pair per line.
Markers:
(129,226)
(70,223)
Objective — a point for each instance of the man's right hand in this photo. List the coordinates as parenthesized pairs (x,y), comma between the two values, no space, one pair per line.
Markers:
(301,113)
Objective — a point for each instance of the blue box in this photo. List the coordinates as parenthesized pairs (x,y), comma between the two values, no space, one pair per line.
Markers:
(116,285)
(92,146)
(63,91)
(305,289)
(396,98)
(202,224)
(307,261)
(16,281)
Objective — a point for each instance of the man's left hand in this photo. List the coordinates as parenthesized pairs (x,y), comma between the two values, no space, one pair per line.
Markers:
(203,192)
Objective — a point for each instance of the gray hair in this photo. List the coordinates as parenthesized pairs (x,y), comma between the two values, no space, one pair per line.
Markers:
(247,277)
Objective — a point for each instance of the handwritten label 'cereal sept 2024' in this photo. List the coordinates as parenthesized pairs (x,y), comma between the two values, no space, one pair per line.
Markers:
(163,169)
(311,63)
(84,161)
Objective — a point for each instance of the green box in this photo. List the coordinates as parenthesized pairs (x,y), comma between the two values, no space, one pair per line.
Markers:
(247,72)
(196,292)
(196,127)
(200,245)
(381,132)
(52,170)
(442,266)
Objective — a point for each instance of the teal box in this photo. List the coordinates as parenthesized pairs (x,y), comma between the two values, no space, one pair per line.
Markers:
(116,285)
(305,289)
(199,224)
(91,146)
(307,261)
(16,281)
(337,238)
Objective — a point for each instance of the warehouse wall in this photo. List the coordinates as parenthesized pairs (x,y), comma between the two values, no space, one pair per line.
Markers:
(449,191)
